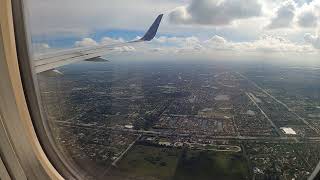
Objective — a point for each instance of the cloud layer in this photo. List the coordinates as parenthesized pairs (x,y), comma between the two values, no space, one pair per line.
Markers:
(284,16)
(265,44)
(89,42)
(85,42)
(204,26)
(313,40)
(213,12)
(309,14)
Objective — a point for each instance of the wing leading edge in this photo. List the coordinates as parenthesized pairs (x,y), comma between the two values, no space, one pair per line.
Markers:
(50,61)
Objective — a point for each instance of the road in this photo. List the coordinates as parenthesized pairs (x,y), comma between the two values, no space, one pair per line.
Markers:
(283,104)
(167,134)
(265,115)
(114,163)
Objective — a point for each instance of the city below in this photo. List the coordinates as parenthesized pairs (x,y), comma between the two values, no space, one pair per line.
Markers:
(186,120)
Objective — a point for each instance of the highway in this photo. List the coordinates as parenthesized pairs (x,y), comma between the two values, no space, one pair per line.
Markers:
(283,104)
(265,115)
(290,139)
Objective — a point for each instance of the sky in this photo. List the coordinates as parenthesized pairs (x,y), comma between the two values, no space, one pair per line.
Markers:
(234,29)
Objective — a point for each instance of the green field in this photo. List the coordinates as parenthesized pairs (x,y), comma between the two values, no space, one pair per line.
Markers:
(149,162)
(208,165)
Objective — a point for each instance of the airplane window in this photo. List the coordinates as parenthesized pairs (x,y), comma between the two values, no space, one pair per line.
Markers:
(184,89)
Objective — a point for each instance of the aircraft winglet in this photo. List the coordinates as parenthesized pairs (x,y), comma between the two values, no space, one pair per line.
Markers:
(51,61)
(152,31)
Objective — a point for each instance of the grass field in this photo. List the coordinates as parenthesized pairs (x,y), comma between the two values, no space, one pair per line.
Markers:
(209,165)
(149,162)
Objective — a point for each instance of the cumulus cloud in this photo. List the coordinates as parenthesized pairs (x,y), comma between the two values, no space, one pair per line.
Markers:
(269,43)
(108,40)
(301,2)
(309,14)
(39,48)
(125,49)
(186,43)
(307,19)
(86,42)
(313,40)
(264,44)
(216,40)
(284,16)
(214,12)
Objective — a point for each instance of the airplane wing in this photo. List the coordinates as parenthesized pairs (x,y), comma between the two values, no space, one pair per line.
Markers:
(45,62)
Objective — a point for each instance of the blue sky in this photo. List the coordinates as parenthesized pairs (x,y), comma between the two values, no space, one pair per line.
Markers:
(68,41)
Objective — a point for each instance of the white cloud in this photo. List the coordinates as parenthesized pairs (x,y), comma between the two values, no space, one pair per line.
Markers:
(213,12)
(265,44)
(190,43)
(240,22)
(309,14)
(169,40)
(39,48)
(108,40)
(125,49)
(313,40)
(216,40)
(86,42)
(284,16)
(112,41)
(307,19)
